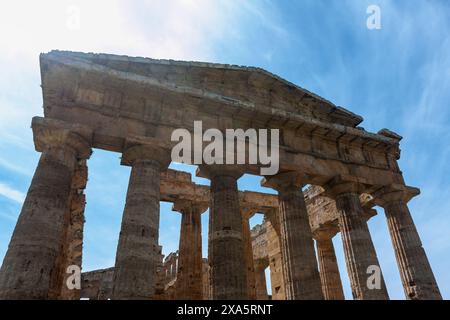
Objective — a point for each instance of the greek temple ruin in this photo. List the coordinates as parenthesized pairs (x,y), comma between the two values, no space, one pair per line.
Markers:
(332,174)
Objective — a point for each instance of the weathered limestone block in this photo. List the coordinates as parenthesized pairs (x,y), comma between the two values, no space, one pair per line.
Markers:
(328,267)
(259,241)
(260,279)
(97,284)
(135,268)
(206,281)
(246,213)
(274,254)
(415,270)
(301,275)
(226,245)
(30,269)
(167,272)
(73,243)
(160,276)
(260,259)
(358,247)
(189,277)
(171,266)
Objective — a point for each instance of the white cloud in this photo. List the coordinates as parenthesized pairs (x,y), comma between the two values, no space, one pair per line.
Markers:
(179,29)
(14,167)
(11,193)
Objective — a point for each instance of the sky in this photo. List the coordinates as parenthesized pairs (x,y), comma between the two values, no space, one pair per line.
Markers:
(395,77)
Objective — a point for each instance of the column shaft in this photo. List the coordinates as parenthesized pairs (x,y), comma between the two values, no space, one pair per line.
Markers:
(275,256)
(329,271)
(358,247)
(260,282)
(30,267)
(251,286)
(415,270)
(73,241)
(227,256)
(301,275)
(190,263)
(136,258)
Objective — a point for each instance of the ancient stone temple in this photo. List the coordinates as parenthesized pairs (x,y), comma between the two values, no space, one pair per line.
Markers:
(331,175)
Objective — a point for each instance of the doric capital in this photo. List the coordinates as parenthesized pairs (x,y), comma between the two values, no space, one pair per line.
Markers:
(325,231)
(184,205)
(368,213)
(340,185)
(209,171)
(143,148)
(285,181)
(367,205)
(52,134)
(394,193)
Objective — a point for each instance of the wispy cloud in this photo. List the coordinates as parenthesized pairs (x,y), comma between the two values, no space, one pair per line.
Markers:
(13,167)
(11,193)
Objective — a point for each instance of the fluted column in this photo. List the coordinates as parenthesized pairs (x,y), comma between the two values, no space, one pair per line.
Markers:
(301,275)
(137,250)
(260,280)
(328,267)
(190,264)
(226,252)
(206,280)
(360,254)
(30,269)
(274,254)
(73,243)
(246,233)
(415,270)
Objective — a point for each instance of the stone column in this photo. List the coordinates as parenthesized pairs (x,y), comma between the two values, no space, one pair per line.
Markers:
(226,246)
(190,263)
(301,275)
(30,269)
(359,251)
(260,280)
(73,243)
(160,276)
(246,233)
(272,224)
(206,280)
(137,250)
(328,267)
(415,270)
(173,268)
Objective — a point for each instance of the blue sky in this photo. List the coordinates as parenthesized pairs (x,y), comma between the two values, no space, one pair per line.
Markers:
(397,77)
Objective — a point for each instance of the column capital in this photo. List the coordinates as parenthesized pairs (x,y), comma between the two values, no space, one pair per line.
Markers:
(394,193)
(209,171)
(325,232)
(51,134)
(182,205)
(341,184)
(145,149)
(284,181)
(367,204)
